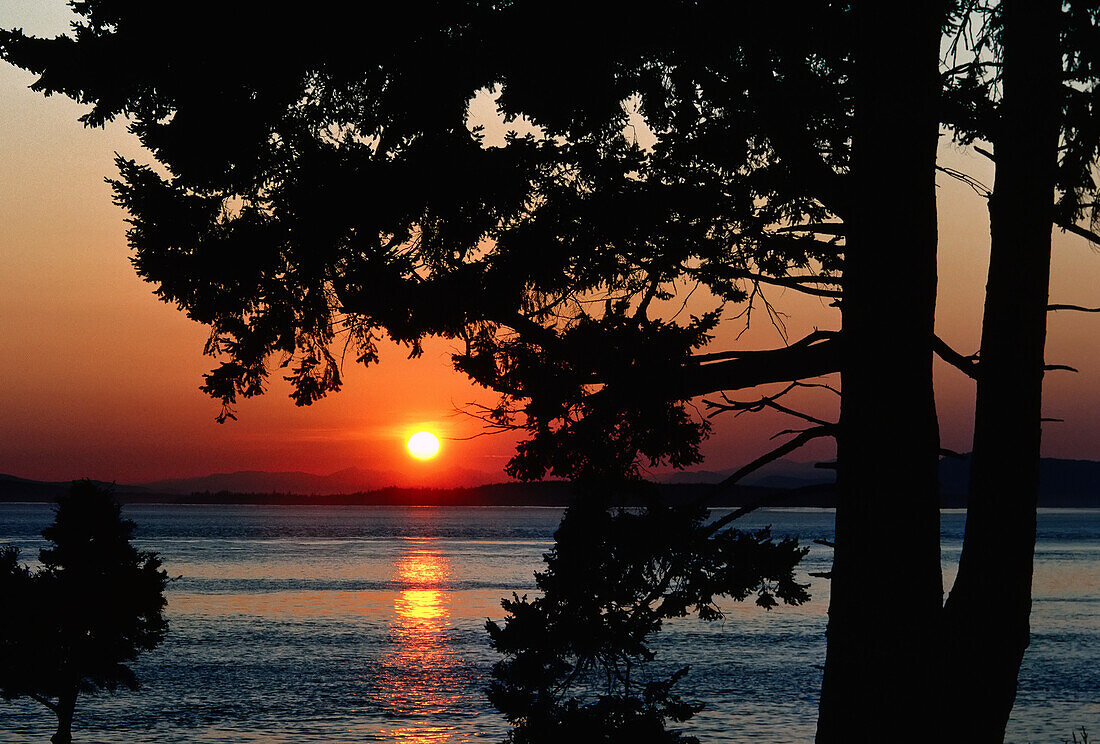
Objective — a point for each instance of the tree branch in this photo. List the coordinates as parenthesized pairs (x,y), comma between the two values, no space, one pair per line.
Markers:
(823,228)
(817,354)
(767,401)
(977,186)
(811,338)
(791,282)
(44,700)
(967,364)
(1084,232)
(805,436)
(1078,308)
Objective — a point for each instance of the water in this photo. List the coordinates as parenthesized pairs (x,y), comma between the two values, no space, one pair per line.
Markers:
(361,624)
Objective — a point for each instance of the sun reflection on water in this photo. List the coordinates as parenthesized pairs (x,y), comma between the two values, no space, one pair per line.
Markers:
(420,573)
(425,679)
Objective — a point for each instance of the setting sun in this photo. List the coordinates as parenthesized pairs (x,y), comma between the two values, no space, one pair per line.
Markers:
(423,445)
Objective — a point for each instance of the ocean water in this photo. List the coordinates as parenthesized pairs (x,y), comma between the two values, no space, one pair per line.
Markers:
(363,624)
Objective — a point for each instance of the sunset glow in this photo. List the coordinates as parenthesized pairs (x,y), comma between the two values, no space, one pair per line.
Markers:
(423,445)
(114,386)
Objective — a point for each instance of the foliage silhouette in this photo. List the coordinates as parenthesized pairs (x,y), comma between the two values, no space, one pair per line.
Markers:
(346,192)
(338,200)
(74,624)
(578,666)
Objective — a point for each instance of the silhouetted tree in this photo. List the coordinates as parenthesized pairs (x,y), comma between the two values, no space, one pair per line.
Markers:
(341,191)
(342,187)
(73,625)
(1031,89)
(881,671)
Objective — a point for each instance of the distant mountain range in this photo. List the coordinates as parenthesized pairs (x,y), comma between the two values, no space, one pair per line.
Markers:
(779,474)
(349,480)
(1064,483)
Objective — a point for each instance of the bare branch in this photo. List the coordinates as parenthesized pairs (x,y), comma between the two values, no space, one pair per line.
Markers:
(494,420)
(785,432)
(804,437)
(821,385)
(797,283)
(967,364)
(1078,308)
(977,186)
(45,701)
(755,406)
(775,317)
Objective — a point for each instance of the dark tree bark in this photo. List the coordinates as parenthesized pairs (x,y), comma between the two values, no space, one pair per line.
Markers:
(882,668)
(987,614)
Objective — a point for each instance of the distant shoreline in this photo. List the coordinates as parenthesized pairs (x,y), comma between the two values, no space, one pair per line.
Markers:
(1063,484)
(544,494)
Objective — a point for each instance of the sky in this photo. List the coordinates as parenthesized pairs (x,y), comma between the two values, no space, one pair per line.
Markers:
(100,379)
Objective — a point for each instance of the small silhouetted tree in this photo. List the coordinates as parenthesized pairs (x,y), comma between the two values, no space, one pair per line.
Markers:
(74,624)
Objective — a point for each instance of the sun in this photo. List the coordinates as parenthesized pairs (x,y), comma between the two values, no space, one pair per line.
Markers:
(423,445)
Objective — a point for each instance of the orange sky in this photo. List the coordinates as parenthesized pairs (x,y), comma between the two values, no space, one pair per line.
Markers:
(101,380)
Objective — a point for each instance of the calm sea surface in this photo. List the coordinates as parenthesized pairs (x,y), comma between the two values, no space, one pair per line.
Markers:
(361,624)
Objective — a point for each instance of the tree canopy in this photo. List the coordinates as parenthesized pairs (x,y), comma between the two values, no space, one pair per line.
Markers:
(319,187)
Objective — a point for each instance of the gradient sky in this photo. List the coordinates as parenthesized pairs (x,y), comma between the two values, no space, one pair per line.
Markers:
(100,379)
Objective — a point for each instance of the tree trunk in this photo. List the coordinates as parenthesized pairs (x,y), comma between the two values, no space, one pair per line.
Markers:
(987,614)
(66,704)
(882,664)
